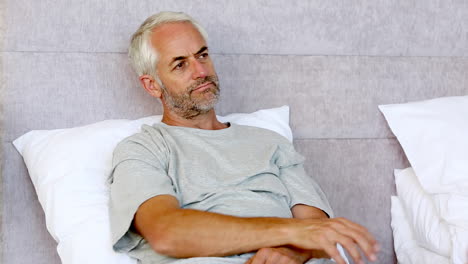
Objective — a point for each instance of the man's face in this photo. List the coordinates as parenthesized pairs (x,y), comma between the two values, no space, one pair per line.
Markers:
(189,82)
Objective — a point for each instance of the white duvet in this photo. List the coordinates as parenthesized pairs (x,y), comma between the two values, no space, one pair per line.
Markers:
(407,249)
(428,228)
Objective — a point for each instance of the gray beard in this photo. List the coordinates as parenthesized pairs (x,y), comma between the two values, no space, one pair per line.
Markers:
(187,107)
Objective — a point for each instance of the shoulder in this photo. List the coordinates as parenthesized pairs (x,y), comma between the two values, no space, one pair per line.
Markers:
(150,140)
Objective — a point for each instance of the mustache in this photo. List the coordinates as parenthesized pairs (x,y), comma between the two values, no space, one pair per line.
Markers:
(207,79)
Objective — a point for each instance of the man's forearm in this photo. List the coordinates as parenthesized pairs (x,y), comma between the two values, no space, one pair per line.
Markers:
(186,233)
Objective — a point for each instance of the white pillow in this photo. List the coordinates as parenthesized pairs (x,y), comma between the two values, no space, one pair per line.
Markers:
(407,249)
(434,136)
(70,169)
(429,229)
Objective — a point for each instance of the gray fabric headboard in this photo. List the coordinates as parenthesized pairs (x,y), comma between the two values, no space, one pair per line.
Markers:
(64,64)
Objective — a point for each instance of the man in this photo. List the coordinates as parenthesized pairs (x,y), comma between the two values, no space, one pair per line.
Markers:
(194,190)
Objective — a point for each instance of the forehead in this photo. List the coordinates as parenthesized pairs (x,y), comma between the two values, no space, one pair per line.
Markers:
(176,39)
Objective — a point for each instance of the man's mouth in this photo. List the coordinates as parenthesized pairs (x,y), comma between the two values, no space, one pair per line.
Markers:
(202,87)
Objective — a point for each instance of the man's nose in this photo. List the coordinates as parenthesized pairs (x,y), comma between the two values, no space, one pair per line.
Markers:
(199,70)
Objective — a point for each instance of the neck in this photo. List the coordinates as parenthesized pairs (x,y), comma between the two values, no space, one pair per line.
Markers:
(203,121)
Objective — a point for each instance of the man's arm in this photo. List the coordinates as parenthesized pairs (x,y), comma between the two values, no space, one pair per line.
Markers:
(183,233)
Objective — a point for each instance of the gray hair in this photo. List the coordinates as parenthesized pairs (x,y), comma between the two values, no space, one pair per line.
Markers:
(141,53)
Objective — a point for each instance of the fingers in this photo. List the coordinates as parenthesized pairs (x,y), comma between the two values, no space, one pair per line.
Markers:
(262,256)
(333,252)
(352,249)
(329,243)
(358,228)
(279,255)
(327,233)
(361,236)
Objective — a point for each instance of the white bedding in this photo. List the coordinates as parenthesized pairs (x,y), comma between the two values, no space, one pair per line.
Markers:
(433,134)
(423,216)
(407,249)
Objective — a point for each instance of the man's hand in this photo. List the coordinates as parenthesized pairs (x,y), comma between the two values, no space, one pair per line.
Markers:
(321,235)
(280,255)
(325,234)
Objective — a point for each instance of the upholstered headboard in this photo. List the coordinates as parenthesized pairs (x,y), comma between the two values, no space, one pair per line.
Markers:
(64,64)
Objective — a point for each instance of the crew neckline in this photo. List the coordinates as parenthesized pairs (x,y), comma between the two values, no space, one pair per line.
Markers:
(200,130)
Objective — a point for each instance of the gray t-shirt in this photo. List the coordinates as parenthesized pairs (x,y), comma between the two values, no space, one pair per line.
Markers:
(240,170)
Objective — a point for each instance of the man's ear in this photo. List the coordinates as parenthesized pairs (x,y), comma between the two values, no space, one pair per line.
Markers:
(151,85)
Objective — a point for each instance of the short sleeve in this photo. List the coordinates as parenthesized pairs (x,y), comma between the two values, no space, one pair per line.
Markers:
(139,173)
(302,188)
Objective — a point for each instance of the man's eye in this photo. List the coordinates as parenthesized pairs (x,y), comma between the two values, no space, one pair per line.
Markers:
(179,65)
(203,55)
